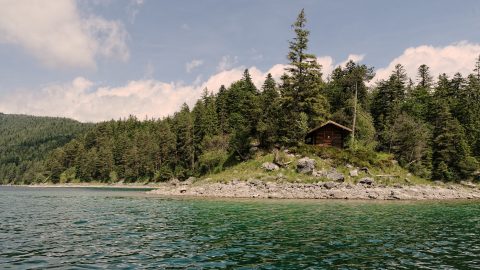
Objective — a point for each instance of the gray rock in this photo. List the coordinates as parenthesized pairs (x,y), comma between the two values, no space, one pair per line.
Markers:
(349,166)
(321,173)
(256,182)
(394,195)
(329,185)
(354,173)
(365,169)
(367,181)
(306,165)
(338,194)
(336,176)
(269,166)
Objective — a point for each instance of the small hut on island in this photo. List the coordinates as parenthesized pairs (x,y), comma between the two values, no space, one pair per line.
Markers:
(328,134)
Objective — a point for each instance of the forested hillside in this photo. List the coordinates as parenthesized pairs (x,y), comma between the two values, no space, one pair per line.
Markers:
(431,126)
(25,142)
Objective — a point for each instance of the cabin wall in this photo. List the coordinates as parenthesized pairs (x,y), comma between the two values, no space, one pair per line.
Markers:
(328,135)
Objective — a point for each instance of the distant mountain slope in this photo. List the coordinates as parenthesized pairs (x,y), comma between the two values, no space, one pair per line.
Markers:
(26,140)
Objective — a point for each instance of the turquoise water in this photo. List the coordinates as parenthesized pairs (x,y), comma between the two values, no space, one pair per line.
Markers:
(80,228)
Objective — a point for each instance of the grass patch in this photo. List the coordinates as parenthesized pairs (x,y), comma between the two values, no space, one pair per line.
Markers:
(381,166)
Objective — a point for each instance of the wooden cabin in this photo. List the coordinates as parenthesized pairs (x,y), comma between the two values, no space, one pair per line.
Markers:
(328,134)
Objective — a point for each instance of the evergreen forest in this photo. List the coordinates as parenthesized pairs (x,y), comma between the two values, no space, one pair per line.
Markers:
(430,124)
(25,142)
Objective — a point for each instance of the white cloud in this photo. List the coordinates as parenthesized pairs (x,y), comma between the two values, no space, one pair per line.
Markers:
(85,100)
(457,57)
(354,57)
(56,34)
(227,62)
(193,64)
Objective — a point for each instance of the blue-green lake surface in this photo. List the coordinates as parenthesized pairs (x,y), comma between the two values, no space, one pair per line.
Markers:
(98,228)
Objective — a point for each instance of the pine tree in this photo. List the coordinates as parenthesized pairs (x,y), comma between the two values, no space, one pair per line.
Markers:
(345,81)
(205,121)
(425,80)
(243,108)
(451,155)
(388,99)
(270,105)
(222,112)
(419,100)
(185,161)
(477,68)
(302,86)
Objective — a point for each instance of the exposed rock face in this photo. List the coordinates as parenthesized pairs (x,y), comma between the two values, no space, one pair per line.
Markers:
(270,166)
(336,176)
(306,165)
(367,181)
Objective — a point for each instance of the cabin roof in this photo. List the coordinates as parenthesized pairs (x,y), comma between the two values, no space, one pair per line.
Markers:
(329,122)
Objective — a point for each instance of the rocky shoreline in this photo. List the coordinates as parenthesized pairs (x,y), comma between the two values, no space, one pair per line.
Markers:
(320,190)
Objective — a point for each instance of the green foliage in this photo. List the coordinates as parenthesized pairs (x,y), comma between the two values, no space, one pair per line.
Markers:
(409,142)
(301,88)
(268,124)
(26,140)
(361,156)
(451,153)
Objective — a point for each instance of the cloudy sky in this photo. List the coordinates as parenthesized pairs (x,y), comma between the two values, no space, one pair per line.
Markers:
(95,60)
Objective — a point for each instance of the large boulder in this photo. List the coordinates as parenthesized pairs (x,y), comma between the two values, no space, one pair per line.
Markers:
(270,166)
(336,176)
(329,185)
(306,165)
(367,181)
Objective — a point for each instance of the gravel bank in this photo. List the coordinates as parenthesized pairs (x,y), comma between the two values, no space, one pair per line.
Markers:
(321,190)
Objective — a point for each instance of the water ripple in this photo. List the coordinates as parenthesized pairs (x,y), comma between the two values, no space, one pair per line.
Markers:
(98,229)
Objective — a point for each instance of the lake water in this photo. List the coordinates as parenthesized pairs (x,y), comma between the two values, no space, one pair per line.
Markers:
(98,228)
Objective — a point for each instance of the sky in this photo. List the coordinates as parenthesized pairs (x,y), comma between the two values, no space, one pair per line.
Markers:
(96,60)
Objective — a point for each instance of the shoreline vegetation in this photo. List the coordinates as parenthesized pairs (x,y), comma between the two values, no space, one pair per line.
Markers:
(284,175)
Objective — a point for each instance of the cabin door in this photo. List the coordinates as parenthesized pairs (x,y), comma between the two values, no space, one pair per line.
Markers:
(327,139)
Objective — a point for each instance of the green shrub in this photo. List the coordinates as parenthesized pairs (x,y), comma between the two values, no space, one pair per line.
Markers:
(163,174)
(68,175)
